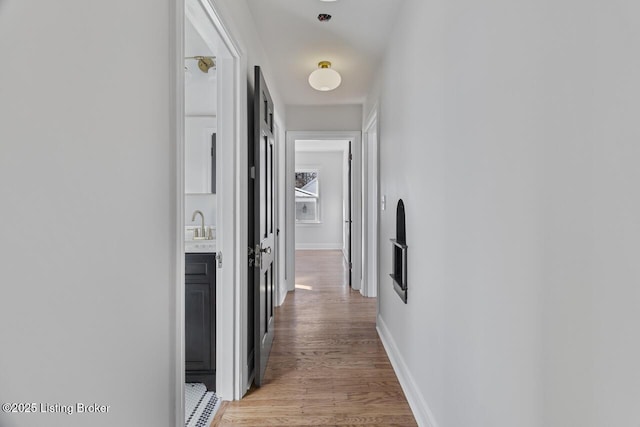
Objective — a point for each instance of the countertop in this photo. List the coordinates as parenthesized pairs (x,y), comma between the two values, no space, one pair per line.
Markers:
(199,246)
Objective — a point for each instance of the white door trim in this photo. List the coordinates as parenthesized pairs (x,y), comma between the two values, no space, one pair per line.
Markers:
(228,319)
(177,131)
(280,238)
(371,205)
(356,197)
(228,316)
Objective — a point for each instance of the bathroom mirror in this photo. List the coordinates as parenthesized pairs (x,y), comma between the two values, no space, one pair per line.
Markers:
(200,155)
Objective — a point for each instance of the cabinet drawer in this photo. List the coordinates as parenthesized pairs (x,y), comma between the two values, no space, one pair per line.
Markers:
(199,266)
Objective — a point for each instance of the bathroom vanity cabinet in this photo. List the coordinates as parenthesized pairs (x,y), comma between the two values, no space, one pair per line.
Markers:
(200,319)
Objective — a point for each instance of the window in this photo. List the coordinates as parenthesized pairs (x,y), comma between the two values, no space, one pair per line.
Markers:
(307,196)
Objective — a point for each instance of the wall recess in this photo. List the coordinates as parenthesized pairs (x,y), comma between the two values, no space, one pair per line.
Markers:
(399,253)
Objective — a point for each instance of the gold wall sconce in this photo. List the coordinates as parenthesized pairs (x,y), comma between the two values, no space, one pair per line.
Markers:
(205,63)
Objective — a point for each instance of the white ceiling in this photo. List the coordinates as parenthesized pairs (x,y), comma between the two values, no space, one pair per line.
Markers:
(295,41)
(194,44)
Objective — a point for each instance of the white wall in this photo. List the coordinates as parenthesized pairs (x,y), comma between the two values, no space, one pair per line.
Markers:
(196,86)
(206,203)
(511,140)
(591,292)
(328,233)
(87,182)
(324,118)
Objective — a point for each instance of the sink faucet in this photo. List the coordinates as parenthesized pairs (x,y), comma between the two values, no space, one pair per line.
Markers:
(193,218)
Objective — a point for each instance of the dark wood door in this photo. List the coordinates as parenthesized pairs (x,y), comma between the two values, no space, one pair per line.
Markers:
(261,230)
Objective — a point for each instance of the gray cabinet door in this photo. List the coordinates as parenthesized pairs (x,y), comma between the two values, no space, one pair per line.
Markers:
(200,316)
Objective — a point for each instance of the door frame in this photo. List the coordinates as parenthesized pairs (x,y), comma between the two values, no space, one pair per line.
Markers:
(370,201)
(228,321)
(356,197)
(280,211)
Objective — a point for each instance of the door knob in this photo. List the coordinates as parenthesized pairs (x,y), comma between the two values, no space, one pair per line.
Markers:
(266,250)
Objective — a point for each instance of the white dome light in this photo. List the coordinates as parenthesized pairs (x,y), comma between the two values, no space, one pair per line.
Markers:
(324,78)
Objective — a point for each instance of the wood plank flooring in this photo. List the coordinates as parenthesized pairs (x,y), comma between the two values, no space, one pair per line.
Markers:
(327,366)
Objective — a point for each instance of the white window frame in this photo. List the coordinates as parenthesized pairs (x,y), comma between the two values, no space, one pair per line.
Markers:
(318,219)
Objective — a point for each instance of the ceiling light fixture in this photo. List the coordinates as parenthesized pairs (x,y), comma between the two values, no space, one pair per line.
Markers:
(324,78)
(205,63)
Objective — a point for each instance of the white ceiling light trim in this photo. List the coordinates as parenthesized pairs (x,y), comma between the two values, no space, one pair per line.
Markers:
(324,78)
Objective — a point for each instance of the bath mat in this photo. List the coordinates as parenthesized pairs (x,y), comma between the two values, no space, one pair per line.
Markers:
(200,405)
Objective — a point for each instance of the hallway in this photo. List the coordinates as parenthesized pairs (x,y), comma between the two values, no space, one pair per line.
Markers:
(327,365)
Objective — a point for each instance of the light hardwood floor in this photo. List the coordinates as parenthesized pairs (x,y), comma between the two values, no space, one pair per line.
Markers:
(327,366)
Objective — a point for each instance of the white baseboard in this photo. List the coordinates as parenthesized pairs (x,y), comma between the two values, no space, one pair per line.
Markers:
(282,294)
(416,400)
(317,246)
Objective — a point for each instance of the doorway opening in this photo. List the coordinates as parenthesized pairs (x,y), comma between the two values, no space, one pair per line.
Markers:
(324,198)
(322,187)
(207,131)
